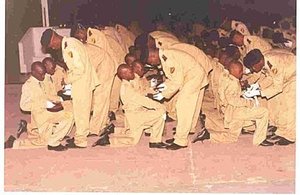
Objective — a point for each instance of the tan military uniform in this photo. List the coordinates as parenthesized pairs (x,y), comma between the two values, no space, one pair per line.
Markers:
(185,77)
(157,34)
(52,93)
(254,42)
(112,32)
(127,37)
(59,75)
(82,76)
(238,112)
(103,65)
(140,113)
(50,89)
(240,27)
(280,69)
(115,50)
(218,70)
(46,128)
(163,39)
(205,63)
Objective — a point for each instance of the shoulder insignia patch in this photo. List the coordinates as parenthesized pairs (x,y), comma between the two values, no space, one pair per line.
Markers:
(275,70)
(90,33)
(172,70)
(248,41)
(164,58)
(159,43)
(70,54)
(269,64)
(66,45)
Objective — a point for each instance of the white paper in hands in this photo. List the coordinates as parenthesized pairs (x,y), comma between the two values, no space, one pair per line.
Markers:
(67,87)
(251,93)
(158,96)
(153,82)
(67,92)
(254,86)
(49,104)
(161,87)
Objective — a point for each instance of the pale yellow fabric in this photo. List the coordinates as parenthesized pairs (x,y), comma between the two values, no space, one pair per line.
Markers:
(115,50)
(46,128)
(185,77)
(280,67)
(83,77)
(254,42)
(140,113)
(127,36)
(104,67)
(215,74)
(197,53)
(238,112)
(59,75)
(240,27)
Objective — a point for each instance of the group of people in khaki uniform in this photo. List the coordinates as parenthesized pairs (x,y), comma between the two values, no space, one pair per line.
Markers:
(155,77)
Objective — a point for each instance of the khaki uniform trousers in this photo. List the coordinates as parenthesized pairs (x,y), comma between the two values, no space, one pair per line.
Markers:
(101,100)
(240,117)
(186,105)
(137,122)
(58,125)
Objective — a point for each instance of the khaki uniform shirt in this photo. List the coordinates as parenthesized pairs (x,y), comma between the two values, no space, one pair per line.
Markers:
(240,27)
(229,94)
(179,68)
(81,73)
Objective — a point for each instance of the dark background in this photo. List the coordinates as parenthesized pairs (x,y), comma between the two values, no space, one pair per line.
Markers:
(22,14)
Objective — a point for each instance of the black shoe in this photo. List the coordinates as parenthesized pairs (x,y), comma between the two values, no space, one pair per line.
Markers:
(71,144)
(103,141)
(170,141)
(266,143)
(244,132)
(190,133)
(147,134)
(92,135)
(174,146)
(70,140)
(58,148)
(169,119)
(22,128)
(108,130)
(9,142)
(203,135)
(157,145)
(202,119)
(272,129)
(283,142)
(274,138)
(66,137)
(112,116)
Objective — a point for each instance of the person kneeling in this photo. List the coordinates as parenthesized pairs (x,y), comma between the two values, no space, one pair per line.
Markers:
(237,111)
(140,113)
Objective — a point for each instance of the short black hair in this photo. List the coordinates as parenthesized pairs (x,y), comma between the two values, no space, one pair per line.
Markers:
(36,64)
(252,58)
(141,40)
(144,54)
(46,37)
(233,33)
(213,35)
(76,27)
(232,50)
(224,42)
(47,59)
